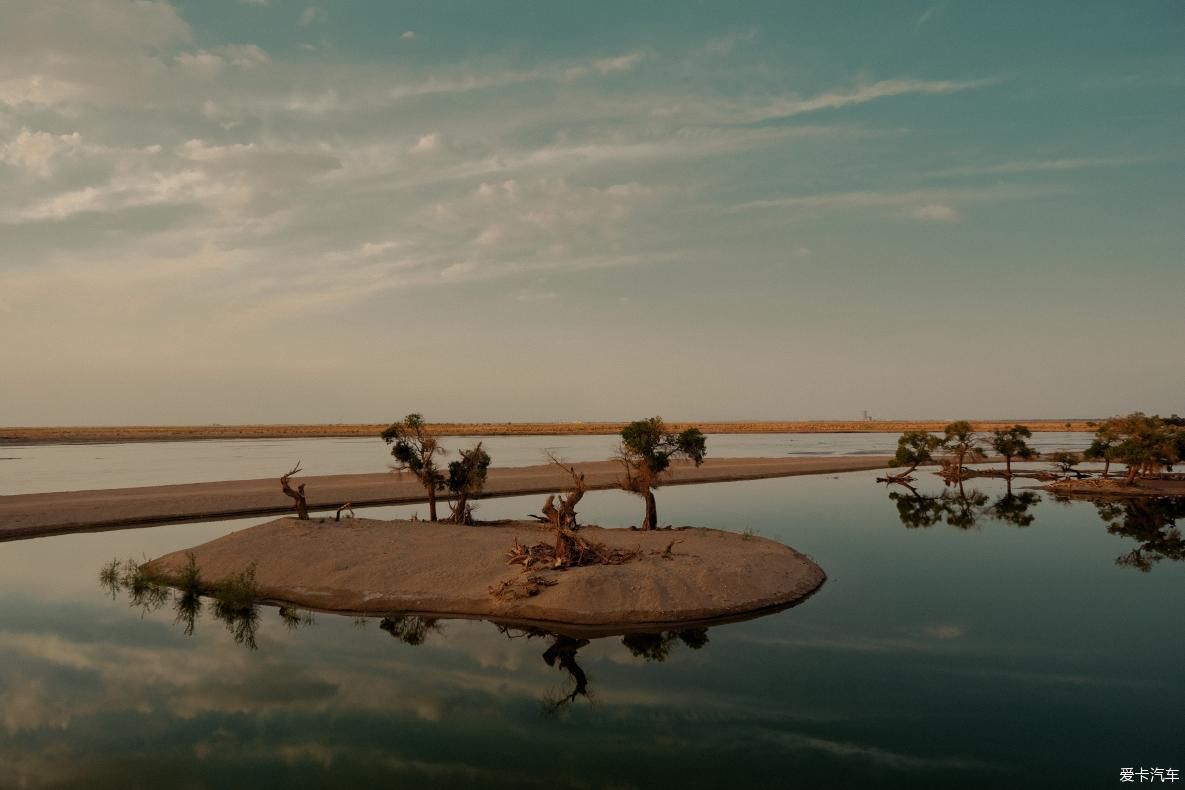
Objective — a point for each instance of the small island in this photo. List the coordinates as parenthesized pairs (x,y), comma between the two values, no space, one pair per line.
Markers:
(651,577)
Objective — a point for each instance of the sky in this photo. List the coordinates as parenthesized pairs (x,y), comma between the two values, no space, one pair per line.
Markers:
(232,211)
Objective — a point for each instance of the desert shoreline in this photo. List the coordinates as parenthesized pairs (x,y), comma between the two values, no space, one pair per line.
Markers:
(35,515)
(180,433)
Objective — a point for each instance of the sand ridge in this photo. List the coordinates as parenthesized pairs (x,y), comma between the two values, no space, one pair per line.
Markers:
(30,515)
(388,567)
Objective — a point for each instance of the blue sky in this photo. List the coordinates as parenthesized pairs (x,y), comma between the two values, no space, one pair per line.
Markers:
(249,210)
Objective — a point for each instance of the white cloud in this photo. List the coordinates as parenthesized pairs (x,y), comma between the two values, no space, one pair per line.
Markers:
(934,212)
(618,64)
(408,35)
(35,151)
(918,199)
(1042,166)
(428,143)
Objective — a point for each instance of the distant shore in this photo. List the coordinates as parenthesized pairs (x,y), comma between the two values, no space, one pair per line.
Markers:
(183,433)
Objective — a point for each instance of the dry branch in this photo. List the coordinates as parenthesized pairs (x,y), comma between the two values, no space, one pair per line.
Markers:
(302,505)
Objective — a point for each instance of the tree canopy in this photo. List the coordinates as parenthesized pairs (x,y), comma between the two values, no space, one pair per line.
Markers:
(415,450)
(647,448)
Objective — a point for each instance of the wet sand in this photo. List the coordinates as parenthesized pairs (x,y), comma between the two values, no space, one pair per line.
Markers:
(1116,487)
(369,566)
(28,515)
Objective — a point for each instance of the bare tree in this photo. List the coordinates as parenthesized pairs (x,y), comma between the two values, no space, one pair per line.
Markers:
(302,505)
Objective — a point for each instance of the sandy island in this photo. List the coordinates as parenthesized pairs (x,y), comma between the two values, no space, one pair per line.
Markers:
(1117,488)
(29,515)
(417,567)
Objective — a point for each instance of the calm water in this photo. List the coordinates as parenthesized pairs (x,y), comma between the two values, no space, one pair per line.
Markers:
(971,653)
(30,469)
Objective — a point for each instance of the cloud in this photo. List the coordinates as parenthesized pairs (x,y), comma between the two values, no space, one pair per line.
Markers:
(725,44)
(618,64)
(408,35)
(934,212)
(1041,166)
(931,201)
(428,143)
(310,15)
(36,151)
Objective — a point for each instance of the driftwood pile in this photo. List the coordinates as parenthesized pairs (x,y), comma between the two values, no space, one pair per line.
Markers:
(569,550)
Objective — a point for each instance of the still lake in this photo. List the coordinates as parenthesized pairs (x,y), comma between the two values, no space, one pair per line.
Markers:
(959,642)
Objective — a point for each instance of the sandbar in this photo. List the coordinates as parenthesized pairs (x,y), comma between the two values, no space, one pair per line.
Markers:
(366,566)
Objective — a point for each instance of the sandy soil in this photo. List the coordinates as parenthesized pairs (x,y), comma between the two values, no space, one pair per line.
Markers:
(371,566)
(27,515)
(1117,488)
(166,433)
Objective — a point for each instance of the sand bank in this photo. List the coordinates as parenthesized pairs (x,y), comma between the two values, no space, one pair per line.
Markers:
(369,566)
(1115,487)
(174,433)
(27,515)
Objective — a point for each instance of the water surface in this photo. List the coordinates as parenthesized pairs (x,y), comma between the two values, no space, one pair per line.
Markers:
(977,645)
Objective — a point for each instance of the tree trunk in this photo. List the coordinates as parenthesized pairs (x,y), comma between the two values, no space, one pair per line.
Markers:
(1106,468)
(1008,465)
(1132,471)
(431,503)
(651,521)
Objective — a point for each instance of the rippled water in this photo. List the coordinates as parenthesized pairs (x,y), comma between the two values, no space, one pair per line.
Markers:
(31,469)
(1002,645)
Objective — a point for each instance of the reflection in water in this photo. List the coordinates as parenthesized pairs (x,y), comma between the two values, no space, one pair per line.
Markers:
(657,647)
(241,617)
(234,604)
(1150,521)
(410,629)
(963,509)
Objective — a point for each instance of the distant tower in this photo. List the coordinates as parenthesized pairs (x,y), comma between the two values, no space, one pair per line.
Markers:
(867,416)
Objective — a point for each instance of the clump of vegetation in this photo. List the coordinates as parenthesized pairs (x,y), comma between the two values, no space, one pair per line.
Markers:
(646,450)
(1010,443)
(415,450)
(914,448)
(963,443)
(466,479)
(1065,461)
(235,605)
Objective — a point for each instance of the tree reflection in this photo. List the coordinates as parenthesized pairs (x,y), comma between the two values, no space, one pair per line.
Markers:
(657,646)
(962,509)
(1151,521)
(410,629)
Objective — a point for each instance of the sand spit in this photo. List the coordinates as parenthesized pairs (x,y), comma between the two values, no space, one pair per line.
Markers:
(29,515)
(176,433)
(417,567)
(1117,488)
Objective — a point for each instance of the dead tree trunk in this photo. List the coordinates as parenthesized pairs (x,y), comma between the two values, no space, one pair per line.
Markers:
(431,502)
(302,505)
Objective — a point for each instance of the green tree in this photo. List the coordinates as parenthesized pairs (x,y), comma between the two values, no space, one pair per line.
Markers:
(1146,444)
(647,448)
(466,479)
(1102,447)
(1065,461)
(1010,443)
(963,442)
(415,450)
(915,448)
